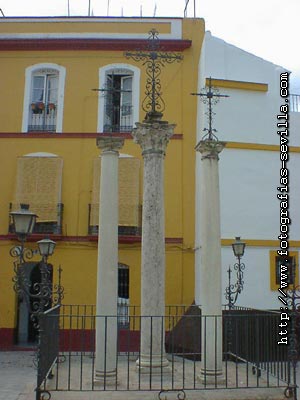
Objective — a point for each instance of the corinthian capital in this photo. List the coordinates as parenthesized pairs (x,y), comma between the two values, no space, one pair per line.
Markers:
(153,137)
(210,148)
(110,143)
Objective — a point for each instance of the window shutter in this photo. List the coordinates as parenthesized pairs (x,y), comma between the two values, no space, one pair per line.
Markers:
(129,173)
(38,184)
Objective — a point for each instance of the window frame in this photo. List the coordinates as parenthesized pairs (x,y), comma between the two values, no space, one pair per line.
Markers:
(103,72)
(274,273)
(29,74)
(51,226)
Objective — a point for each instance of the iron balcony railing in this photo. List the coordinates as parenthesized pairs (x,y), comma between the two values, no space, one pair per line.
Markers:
(118,118)
(295,102)
(51,226)
(42,117)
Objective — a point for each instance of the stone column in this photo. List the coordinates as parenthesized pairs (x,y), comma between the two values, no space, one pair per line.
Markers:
(210,269)
(153,137)
(107,273)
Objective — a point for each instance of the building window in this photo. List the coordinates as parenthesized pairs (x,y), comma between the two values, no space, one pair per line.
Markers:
(123,295)
(38,183)
(43,102)
(284,270)
(118,98)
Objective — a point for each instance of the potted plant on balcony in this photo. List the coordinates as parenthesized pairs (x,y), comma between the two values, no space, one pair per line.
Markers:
(51,106)
(40,105)
(37,107)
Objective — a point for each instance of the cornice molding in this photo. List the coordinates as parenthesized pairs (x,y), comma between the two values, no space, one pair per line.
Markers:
(70,135)
(89,238)
(40,44)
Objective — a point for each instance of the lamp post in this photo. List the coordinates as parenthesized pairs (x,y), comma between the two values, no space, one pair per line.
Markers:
(37,295)
(23,224)
(46,248)
(233,290)
(44,292)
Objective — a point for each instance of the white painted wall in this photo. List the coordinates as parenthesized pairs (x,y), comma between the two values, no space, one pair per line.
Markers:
(248,190)
(254,117)
(248,178)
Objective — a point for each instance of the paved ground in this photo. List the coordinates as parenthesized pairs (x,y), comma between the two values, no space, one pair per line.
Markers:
(18,377)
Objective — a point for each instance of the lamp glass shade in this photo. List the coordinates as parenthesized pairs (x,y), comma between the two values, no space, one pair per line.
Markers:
(23,220)
(238,247)
(46,247)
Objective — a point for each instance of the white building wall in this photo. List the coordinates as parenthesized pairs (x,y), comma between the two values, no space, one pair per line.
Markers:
(248,177)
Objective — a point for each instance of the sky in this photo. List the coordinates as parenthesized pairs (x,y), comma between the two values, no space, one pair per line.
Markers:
(266,28)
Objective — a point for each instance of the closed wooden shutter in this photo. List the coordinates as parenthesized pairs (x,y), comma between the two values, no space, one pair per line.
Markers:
(129,179)
(38,184)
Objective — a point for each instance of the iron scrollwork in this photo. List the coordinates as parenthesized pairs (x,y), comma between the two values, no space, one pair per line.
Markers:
(154,59)
(210,96)
(21,282)
(180,394)
(44,394)
(233,290)
(38,296)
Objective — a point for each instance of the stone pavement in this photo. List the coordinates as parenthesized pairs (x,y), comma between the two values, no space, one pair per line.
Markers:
(18,378)
(17,375)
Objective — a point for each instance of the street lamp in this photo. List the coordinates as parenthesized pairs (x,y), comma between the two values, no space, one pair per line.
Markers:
(23,222)
(23,225)
(233,290)
(46,248)
(238,247)
(37,295)
(43,291)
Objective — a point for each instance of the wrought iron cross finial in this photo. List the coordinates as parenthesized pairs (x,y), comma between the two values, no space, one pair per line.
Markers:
(154,59)
(210,96)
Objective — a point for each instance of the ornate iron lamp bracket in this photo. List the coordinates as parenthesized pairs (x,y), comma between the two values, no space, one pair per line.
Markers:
(40,295)
(233,290)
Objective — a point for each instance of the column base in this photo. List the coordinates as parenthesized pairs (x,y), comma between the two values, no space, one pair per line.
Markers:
(211,376)
(107,378)
(154,365)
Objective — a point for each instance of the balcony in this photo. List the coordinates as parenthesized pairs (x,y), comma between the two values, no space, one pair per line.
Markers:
(42,117)
(118,118)
(53,225)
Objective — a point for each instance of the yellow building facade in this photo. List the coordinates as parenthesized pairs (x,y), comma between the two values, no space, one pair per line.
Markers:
(64,82)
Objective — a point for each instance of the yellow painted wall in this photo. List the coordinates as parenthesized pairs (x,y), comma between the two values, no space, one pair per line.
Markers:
(79,258)
(57,25)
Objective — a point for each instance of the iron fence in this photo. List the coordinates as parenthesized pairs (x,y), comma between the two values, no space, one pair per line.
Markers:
(250,356)
(48,347)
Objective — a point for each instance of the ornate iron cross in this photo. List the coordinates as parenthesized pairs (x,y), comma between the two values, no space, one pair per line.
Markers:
(210,96)
(154,59)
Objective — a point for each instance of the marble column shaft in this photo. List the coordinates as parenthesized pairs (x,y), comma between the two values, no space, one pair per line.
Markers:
(211,272)
(107,273)
(153,138)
